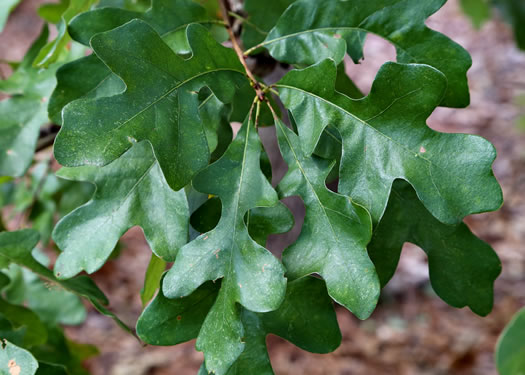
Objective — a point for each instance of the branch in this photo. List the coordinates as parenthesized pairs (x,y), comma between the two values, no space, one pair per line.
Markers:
(225,10)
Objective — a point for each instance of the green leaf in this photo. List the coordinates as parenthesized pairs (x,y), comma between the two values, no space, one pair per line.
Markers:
(52,12)
(510,350)
(7,7)
(345,85)
(17,246)
(310,31)
(63,353)
(130,191)
(173,321)
(22,115)
(462,267)
(306,318)
(262,16)
(385,137)
(261,221)
(87,78)
(51,369)
(21,317)
(52,51)
(15,360)
(477,10)
(160,103)
(215,119)
(169,18)
(250,274)
(335,231)
(156,268)
(53,305)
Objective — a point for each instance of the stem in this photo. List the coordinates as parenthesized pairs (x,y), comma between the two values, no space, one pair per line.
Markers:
(257,111)
(225,10)
(249,51)
(271,110)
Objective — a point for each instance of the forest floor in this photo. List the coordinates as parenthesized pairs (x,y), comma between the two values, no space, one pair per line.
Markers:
(412,332)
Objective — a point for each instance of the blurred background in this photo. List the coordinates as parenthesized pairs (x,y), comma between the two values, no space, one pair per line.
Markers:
(412,331)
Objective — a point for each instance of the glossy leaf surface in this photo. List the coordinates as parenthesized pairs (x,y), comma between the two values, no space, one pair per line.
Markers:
(173,321)
(335,231)
(130,191)
(251,276)
(385,137)
(160,103)
(310,31)
(262,17)
(169,18)
(462,267)
(306,318)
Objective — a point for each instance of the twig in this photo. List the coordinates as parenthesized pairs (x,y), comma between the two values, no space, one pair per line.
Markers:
(225,11)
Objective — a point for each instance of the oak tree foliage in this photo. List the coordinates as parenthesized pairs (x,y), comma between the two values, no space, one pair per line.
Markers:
(143,96)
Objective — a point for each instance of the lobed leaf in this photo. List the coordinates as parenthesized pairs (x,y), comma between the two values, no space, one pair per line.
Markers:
(261,221)
(251,276)
(173,321)
(130,191)
(169,18)
(160,103)
(462,267)
(335,231)
(384,137)
(306,318)
(310,31)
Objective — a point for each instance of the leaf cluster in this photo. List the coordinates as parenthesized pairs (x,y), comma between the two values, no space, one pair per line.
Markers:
(145,140)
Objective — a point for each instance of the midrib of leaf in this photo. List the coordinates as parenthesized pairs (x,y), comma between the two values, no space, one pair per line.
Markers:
(238,194)
(237,198)
(163,96)
(364,122)
(412,154)
(334,235)
(208,98)
(321,29)
(128,195)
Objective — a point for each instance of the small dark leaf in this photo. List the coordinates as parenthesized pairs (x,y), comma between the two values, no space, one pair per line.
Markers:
(462,267)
